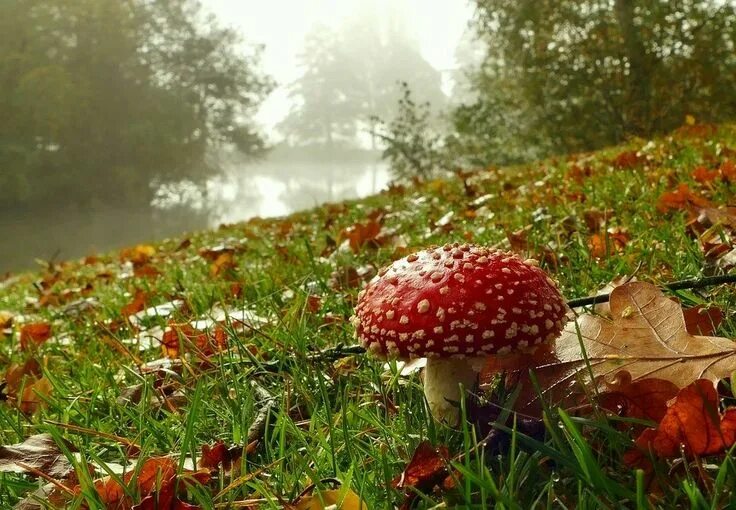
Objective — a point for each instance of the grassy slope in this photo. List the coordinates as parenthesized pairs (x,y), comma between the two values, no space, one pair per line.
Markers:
(351,420)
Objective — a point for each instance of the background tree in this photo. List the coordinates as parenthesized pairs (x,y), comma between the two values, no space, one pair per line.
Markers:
(324,111)
(101,98)
(354,73)
(579,74)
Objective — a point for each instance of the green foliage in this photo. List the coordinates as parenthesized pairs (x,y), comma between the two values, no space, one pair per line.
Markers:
(548,77)
(412,147)
(99,98)
(578,75)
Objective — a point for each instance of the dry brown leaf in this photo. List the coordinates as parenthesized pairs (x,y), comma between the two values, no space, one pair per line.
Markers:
(39,452)
(646,337)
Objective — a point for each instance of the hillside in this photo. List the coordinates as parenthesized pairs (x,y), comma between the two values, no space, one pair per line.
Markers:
(106,353)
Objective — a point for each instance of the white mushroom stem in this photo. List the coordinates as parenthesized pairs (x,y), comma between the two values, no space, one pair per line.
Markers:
(444,381)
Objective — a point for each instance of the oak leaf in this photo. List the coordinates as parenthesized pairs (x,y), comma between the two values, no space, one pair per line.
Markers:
(646,337)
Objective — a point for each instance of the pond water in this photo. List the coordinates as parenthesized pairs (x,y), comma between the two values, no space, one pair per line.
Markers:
(265,189)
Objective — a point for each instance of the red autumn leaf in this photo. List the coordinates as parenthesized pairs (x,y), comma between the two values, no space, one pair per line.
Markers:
(224,262)
(31,398)
(692,425)
(680,199)
(700,320)
(136,305)
(221,455)
(427,468)
(146,271)
(603,245)
(361,234)
(34,333)
(578,174)
(156,481)
(184,335)
(703,175)
(628,159)
(645,399)
(314,303)
(728,170)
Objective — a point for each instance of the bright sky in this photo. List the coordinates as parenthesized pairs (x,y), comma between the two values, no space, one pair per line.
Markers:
(282,24)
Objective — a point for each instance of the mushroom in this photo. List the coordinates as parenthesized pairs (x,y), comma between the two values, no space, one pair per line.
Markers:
(456,305)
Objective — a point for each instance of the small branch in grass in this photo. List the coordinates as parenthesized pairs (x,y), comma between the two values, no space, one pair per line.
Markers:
(267,403)
(692,283)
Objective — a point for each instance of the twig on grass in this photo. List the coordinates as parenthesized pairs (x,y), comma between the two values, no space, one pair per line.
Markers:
(692,283)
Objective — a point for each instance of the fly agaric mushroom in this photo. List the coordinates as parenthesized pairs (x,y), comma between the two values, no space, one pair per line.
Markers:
(457,305)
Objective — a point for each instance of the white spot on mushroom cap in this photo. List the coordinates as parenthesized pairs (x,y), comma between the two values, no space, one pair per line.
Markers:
(423,306)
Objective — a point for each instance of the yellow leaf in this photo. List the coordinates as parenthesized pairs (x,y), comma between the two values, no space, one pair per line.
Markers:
(340,498)
(689,120)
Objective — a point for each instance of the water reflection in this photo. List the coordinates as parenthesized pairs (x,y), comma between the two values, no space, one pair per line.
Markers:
(275,190)
(265,189)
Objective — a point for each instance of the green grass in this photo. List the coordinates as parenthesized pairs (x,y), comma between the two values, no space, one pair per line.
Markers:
(352,419)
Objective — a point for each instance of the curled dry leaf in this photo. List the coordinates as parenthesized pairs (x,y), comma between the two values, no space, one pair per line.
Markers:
(680,199)
(158,483)
(426,470)
(39,452)
(645,399)
(702,320)
(692,425)
(34,333)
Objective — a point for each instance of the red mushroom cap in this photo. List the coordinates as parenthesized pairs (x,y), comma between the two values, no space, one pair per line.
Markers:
(458,301)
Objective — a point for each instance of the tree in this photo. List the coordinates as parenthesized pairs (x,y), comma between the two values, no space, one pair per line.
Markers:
(324,111)
(354,74)
(101,98)
(579,74)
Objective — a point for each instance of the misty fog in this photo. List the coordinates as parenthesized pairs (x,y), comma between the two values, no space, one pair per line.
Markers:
(317,142)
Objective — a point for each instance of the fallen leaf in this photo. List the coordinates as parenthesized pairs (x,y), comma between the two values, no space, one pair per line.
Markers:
(680,199)
(158,484)
(136,305)
(34,333)
(204,343)
(703,175)
(39,452)
(646,337)
(628,159)
(692,425)
(6,319)
(361,234)
(426,470)
(645,399)
(31,398)
(138,255)
(702,320)
(223,263)
(343,499)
